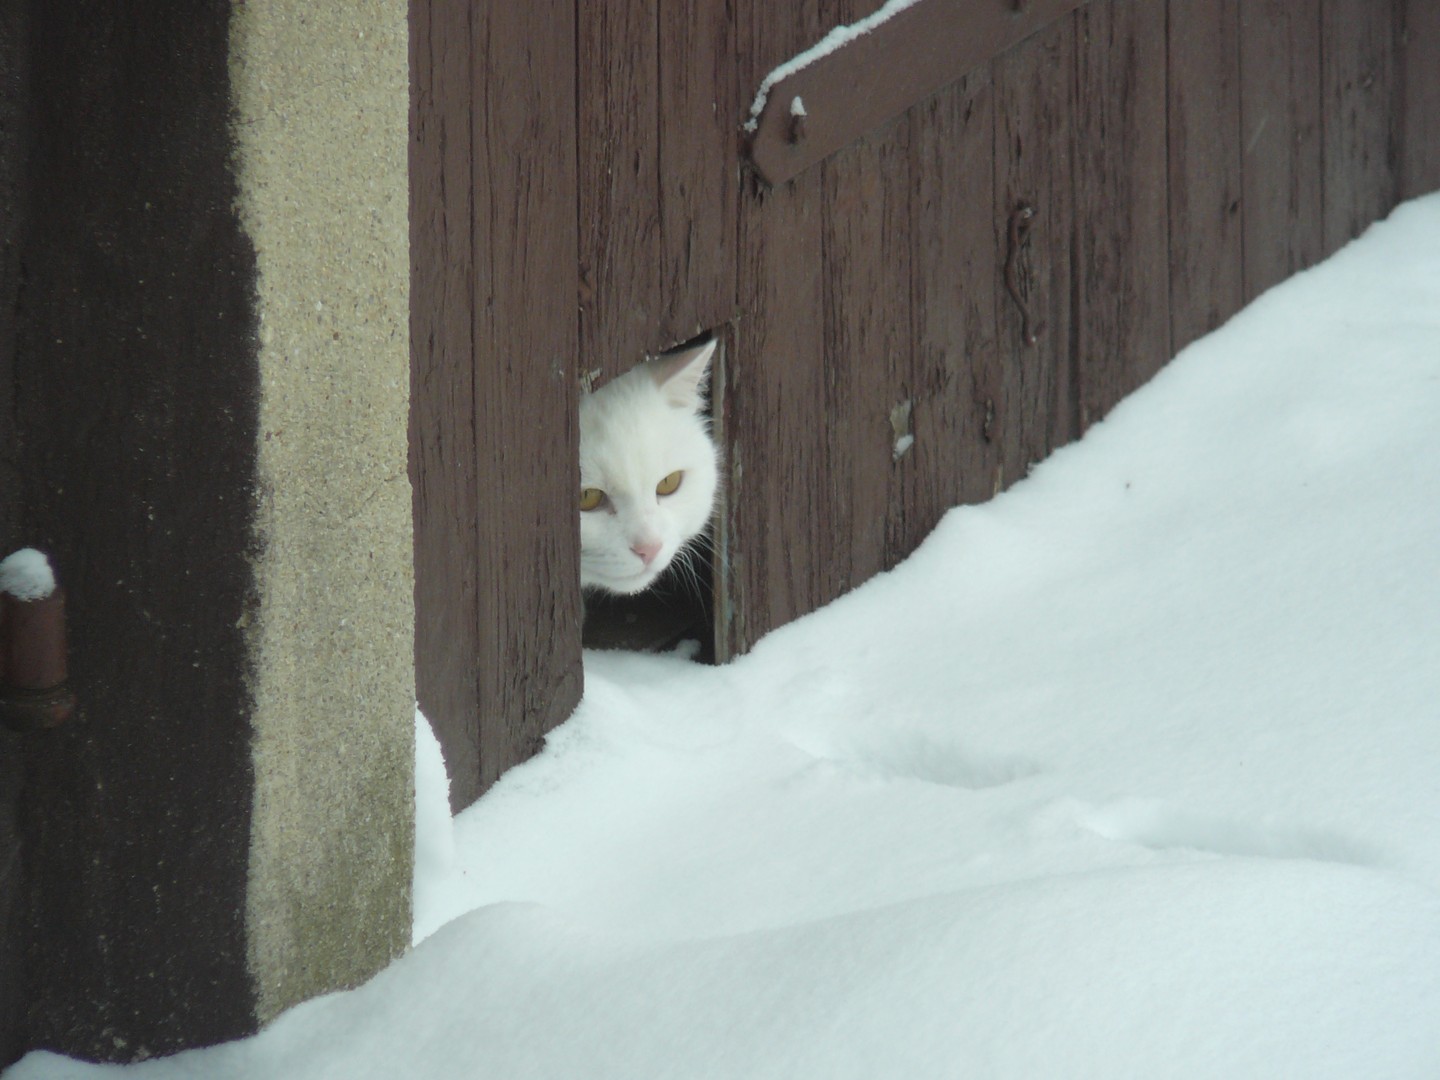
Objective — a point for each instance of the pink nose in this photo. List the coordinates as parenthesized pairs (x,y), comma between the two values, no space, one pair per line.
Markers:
(647,550)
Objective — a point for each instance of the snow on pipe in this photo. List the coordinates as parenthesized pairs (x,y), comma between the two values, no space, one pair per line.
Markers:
(33,670)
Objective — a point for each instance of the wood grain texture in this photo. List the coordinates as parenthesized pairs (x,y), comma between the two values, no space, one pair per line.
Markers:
(619,183)
(698,182)
(1176,159)
(1359,95)
(442,393)
(1283,223)
(876,76)
(1122,244)
(776,497)
(1037,406)
(774,448)
(1420,104)
(867,345)
(1206,235)
(526,343)
(956,375)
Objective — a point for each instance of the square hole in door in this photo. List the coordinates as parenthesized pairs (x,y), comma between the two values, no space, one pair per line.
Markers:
(680,605)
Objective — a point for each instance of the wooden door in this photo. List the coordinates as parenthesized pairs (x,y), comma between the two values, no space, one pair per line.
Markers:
(910,322)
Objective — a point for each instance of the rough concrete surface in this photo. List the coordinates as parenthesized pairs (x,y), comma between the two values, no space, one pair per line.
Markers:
(321,112)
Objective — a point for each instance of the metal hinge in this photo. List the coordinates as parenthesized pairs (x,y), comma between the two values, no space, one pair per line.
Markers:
(34,693)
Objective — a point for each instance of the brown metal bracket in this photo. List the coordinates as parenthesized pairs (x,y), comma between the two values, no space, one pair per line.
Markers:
(34,694)
(1021,219)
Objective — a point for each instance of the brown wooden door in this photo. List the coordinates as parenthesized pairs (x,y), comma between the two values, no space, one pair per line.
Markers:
(896,339)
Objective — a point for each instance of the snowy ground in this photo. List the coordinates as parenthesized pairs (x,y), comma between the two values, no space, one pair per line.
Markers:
(1133,772)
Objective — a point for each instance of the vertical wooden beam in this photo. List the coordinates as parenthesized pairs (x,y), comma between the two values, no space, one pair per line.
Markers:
(776,488)
(442,394)
(1281,197)
(698,179)
(866,283)
(1036,406)
(619,180)
(1420,107)
(956,376)
(866,296)
(867,328)
(1359,94)
(776,501)
(1123,321)
(1206,256)
(526,246)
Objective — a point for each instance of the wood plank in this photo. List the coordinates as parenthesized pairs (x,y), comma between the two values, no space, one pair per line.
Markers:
(879,74)
(866,282)
(774,511)
(777,486)
(1036,401)
(1206,252)
(617,87)
(442,399)
(1359,93)
(698,168)
(956,375)
(1420,108)
(526,341)
(869,347)
(1281,198)
(1123,320)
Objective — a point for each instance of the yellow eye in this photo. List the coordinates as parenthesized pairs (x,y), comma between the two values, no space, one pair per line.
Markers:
(670,484)
(591,498)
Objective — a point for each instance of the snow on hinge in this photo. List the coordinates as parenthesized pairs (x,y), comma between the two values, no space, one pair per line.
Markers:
(860,75)
(26,575)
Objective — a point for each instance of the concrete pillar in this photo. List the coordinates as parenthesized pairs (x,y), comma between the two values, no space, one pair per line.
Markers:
(321,95)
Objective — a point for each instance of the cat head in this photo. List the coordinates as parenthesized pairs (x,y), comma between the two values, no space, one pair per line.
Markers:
(647,470)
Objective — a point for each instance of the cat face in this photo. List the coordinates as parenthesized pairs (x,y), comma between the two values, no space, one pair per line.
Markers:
(647,471)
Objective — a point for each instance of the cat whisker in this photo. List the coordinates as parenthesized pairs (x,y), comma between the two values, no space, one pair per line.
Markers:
(686,573)
(718,558)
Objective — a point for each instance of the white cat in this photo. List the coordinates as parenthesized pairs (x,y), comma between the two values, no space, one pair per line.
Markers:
(647,470)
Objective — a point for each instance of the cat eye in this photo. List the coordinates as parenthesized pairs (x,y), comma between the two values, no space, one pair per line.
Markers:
(592,498)
(670,484)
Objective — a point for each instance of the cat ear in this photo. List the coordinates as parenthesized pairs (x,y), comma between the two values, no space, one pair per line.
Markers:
(681,376)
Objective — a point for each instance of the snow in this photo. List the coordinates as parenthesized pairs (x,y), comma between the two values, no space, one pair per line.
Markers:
(1130,772)
(26,575)
(840,36)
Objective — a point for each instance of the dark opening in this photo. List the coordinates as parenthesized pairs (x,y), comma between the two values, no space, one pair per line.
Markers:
(679,607)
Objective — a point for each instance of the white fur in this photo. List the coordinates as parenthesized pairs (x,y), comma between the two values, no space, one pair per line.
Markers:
(634,431)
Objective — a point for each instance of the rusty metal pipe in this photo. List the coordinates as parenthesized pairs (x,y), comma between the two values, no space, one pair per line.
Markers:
(33,670)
